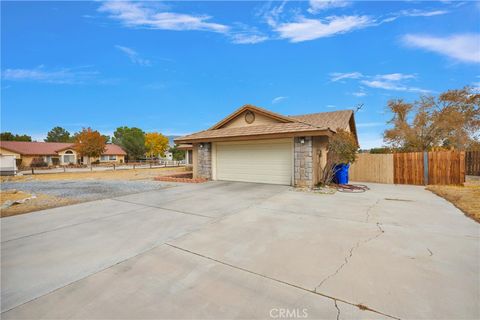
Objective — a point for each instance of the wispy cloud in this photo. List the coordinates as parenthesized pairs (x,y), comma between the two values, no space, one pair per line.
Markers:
(389,81)
(304,29)
(460,47)
(369,124)
(392,85)
(331,106)
(278,99)
(319,5)
(337,76)
(58,76)
(146,15)
(359,94)
(244,34)
(133,56)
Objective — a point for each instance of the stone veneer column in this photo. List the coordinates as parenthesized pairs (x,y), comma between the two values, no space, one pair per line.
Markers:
(303,162)
(205,160)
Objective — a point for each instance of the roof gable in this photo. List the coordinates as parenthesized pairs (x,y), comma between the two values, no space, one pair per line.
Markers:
(262,116)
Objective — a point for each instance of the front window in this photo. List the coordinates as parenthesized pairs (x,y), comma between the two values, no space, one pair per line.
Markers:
(68,158)
(104,158)
(113,158)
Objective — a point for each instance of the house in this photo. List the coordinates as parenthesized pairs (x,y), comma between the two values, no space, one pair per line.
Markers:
(56,153)
(256,145)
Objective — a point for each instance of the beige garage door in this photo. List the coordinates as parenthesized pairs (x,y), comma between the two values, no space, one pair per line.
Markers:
(263,161)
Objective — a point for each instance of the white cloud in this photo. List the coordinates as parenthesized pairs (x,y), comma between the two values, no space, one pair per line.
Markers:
(278,99)
(331,106)
(337,76)
(319,5)
(60,76)
(145,15)
(422,13)
(243,38)
(460,47)
(359,94)
(309,29)
(395,76)
(392,85)
(133,56)
(369,124)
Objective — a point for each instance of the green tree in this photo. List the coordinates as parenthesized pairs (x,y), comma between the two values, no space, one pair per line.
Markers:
(58,134)
(132,140)
(8,136)
(106,138)
(177,154)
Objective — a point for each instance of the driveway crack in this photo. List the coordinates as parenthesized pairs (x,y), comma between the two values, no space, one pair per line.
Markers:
(361,307)
(338,309)
(350,254)
(370,208)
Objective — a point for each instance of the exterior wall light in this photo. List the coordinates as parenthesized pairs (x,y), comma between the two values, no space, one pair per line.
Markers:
(302,140)
(201,145)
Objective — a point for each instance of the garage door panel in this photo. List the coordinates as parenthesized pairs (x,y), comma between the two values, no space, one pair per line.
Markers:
(255,161)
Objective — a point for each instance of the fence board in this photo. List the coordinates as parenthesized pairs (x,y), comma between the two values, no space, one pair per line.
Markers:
(372,168)
(472,163)
(408,168)
(446,167)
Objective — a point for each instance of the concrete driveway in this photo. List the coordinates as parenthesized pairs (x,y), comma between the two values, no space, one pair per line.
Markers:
(239,250)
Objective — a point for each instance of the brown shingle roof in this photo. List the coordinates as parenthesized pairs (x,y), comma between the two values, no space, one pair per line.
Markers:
(322,122)
(50,148)
(333,120)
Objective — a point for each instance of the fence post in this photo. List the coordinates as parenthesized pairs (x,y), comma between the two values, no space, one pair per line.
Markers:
(425,167)
(64,169)
(134,166)
(150,165)
(91,167)
(33,172)
(114,167)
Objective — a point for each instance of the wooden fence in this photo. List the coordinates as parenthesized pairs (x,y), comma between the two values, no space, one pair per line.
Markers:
(417,168)
(372,168)
(472,163)
(408,168)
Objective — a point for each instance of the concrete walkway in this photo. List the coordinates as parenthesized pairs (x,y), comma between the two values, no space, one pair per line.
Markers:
(238,250)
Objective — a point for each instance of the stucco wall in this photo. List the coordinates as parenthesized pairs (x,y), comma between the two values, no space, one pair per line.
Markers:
(320,150)
(239,121)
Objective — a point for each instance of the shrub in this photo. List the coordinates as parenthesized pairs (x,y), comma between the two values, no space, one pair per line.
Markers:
(38,162)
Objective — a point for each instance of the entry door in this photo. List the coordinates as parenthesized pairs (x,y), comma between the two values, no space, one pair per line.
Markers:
(262,161)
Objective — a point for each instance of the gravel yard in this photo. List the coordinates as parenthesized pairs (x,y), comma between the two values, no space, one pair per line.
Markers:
(84,190)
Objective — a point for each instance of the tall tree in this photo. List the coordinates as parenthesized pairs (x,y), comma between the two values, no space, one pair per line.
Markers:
(8,136)
(58,134)
(89,143)
(155,144)
(177,154)
(451,120)
(132,140)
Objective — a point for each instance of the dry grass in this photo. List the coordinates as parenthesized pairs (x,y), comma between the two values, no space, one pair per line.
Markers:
(130,174)
(465,198)
(42,201)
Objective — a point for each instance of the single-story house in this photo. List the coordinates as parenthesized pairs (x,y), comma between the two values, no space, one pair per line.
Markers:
(56,153)
(256,145)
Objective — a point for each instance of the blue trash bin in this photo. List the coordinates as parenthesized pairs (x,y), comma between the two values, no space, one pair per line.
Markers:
(341,173)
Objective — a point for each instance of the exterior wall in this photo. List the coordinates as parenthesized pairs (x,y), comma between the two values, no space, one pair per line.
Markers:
(239,121)
(195,160)
(204,160)
(303,162)
(63,152)
(26,160)
(10,153)
(320,151)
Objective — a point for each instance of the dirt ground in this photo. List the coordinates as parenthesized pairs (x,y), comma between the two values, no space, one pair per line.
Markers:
(130,175)
(72,187)
(42,201)
(466,197)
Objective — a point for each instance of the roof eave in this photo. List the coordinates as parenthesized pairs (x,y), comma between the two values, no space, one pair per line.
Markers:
(323,132)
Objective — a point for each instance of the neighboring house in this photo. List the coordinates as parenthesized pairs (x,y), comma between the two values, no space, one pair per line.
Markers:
(168,156)
(56,153)
(256,145)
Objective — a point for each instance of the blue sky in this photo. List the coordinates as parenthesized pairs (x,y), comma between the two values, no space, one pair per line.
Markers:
(179,67)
